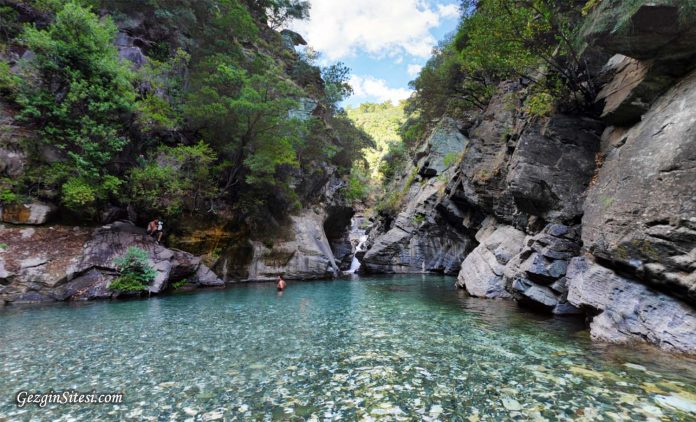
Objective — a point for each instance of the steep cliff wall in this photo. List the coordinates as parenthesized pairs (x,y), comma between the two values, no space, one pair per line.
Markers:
(572,214)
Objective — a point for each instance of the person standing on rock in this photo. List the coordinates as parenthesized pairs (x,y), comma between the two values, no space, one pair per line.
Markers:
(281,284)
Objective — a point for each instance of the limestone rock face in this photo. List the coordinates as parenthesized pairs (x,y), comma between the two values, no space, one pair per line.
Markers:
(481,180)
(630,311)
(305,255)
(34,213)
(483,269)
(80,263)
(421,239)
(444,147)
(552,166)
(641,213)
(128,50)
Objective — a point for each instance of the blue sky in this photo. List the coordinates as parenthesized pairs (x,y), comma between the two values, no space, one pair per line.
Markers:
(384,42)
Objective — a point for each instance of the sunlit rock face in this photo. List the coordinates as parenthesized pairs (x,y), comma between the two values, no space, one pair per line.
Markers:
(482,272)
(420,239)
(641,213)
(628,310)
(34,213)
(300,252)
(80,264)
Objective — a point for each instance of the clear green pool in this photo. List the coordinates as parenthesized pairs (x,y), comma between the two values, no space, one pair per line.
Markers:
(409,347)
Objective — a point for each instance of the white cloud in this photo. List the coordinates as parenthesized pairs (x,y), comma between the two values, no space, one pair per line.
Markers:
(339,28)
(414,69)
(369,87)
(448,11)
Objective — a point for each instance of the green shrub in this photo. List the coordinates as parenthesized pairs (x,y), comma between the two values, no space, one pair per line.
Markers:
(8,197)
(136,273)
(78,194)
(540,104)
(179,284)
(3,246)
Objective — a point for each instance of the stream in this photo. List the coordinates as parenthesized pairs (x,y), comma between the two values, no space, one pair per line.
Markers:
(402,347)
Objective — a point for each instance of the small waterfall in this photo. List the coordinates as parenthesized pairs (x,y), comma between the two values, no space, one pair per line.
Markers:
(358,237)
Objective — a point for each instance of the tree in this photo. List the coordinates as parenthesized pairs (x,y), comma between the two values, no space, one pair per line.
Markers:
(175,179)
(82,99)
(278,12)
(336,86)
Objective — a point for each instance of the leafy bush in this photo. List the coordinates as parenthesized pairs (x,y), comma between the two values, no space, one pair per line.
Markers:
(136,273)
(78,194)
(174,179)
(179,284)
(540,104)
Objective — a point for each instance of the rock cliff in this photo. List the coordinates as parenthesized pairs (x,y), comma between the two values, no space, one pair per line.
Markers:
(572,214)
(57,263)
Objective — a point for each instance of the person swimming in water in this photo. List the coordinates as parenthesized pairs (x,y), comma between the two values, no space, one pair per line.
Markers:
(281,284)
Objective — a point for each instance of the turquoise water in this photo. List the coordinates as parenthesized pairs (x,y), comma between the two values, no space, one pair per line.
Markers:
(410,348)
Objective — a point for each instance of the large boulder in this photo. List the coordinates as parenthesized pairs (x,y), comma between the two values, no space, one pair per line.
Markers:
(304,253)
(628,311)
(640,214)
(483,269)
(635,85)
(34,213)
(552,166)
(79,265)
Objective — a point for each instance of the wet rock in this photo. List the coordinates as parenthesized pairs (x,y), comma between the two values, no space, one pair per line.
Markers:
(482,270)
(34,213)
(533,293)
(552,166)
(628,310)
(566,309)
(640,215)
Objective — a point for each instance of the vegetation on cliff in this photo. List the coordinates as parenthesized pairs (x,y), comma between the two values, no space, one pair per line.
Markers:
(217,112)
(535,41)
